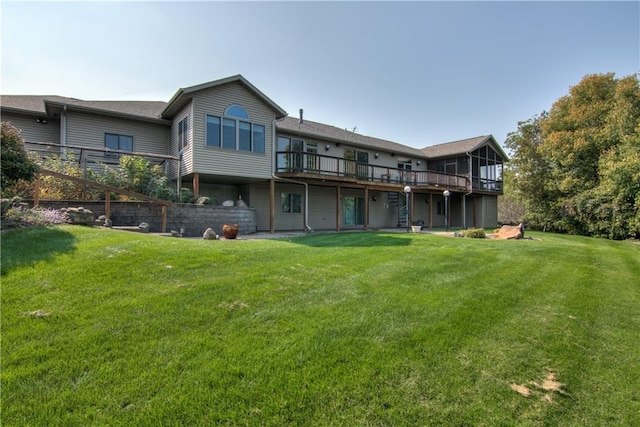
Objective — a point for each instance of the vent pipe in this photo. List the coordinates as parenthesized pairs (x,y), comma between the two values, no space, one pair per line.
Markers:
(301,118)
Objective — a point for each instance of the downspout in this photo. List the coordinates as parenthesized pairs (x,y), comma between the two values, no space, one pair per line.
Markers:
(63,132)
(277,178)
(464,196)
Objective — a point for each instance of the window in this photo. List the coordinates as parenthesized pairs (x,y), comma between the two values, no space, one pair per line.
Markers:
(229,133)
(213,131)
(236,111)
(118,142)
(291,202)
(183,133)
(235,134)
(258,138)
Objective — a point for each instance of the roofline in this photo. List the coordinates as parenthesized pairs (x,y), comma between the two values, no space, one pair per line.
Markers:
(22,111)
(219,82)
(484,140)
(416,152)
(48,103)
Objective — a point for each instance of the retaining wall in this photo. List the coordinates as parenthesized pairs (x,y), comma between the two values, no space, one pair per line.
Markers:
(194,219)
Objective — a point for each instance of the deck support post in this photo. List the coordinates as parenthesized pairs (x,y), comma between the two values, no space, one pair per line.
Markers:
(338,207)
(366,207)
(196,185)
(107,204)
(272,205)
(36,190)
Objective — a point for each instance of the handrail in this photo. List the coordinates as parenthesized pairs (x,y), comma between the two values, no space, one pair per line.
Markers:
(311,163)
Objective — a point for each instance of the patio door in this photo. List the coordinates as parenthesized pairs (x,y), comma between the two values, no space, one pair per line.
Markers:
(352,211)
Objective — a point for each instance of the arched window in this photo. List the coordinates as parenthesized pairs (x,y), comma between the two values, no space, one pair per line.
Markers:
(236,111)
(235,131)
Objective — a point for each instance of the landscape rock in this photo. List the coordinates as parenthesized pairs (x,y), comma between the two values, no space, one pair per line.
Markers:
(203,200)
(79,215)
(241,203)
(144,227)
(508,232)
(228,203)
(209,234)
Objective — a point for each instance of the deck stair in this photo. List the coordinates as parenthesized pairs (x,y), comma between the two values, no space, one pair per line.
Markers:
(398,200)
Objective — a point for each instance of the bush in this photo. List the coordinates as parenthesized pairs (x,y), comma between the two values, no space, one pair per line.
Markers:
(15,164)
(474,233)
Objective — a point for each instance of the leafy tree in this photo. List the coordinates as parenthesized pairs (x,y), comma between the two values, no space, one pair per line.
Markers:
(15,163)
(577,168)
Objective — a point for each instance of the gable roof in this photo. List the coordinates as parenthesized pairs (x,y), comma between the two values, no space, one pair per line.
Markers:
(181,98)
(44,104)
(462,146)
(331,133)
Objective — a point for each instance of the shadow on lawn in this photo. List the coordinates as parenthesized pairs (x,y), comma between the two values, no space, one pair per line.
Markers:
(26,246)
(352,239)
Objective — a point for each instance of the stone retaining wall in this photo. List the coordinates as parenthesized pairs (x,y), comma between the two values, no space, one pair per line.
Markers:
(194,219)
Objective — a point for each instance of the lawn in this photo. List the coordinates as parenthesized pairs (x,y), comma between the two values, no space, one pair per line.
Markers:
(103,327)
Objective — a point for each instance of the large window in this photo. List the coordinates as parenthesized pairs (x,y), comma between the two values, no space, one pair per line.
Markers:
(291,202)
(113,141)
(234,131)
(183,133)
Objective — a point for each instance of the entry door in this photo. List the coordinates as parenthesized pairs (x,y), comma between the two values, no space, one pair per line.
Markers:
(352,211)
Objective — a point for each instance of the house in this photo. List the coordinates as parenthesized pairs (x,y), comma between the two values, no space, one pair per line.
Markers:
(234,142)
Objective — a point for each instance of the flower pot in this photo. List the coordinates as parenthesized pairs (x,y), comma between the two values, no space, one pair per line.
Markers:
(416,228)
(230,231)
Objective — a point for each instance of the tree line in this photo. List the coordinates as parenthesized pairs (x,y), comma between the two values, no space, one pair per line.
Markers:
(576,168)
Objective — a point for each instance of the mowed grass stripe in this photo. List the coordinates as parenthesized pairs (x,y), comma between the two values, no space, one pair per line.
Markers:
(335,329)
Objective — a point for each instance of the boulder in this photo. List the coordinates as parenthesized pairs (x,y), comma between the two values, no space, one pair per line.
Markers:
(209,234)
(508,232)
(143,227)
(203,200)
(79,215)
(228,203)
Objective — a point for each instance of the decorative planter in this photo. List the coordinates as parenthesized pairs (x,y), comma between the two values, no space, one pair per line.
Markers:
(416,228)
(230,231)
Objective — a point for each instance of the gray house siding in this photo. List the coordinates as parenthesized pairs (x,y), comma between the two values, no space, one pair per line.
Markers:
(88,130)
(223,161)
(322,208)
(187,165)
(32,131)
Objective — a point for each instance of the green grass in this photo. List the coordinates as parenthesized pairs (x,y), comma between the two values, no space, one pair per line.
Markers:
(102,327)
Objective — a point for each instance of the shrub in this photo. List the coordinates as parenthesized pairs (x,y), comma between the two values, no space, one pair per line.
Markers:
(15,164)
(474,233)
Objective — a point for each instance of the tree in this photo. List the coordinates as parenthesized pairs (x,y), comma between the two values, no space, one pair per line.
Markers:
(577,168)
(15,164)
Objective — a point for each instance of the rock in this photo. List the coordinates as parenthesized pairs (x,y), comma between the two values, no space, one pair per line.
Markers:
(228,203)
(144,227)
(508,232)
(209,234)
(203,200)
(241,203)
(79,215)
(230,231)
(108,223)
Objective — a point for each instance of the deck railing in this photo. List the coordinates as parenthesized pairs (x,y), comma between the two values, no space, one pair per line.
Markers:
(316,164)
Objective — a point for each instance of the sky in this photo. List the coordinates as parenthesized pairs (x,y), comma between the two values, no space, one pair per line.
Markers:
(416,73)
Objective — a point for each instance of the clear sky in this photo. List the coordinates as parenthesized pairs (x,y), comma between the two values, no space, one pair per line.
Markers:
(417,73)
